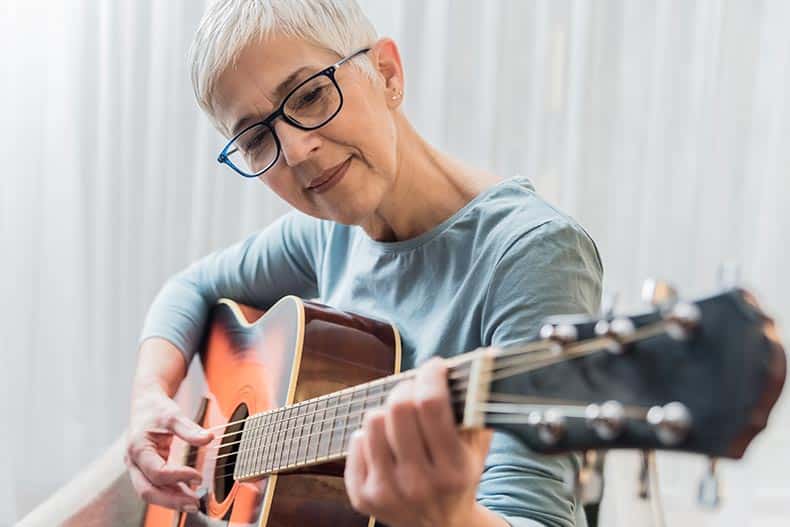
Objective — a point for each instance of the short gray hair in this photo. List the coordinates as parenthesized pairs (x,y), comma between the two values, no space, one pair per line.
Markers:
(228,26)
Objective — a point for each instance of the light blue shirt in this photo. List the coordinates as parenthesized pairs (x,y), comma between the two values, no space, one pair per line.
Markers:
(488,275)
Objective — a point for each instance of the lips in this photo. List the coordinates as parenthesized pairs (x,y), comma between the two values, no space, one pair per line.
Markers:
(329,177)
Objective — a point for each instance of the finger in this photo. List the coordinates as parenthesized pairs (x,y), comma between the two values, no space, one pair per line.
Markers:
(356,471)
(161,473)
(381,489)
(377,447)
(434,413)
(479,441)
(166,497)
(403,428)
(190,431)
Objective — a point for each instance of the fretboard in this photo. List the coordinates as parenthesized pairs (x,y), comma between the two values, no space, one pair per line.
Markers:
(316,430)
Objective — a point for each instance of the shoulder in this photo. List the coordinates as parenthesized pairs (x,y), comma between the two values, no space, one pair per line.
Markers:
(515,222)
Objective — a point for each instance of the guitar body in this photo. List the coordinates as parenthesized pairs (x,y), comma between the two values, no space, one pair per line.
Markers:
(254,361)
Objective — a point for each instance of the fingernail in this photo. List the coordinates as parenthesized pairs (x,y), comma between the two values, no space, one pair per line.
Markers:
(195,482)
(190,508)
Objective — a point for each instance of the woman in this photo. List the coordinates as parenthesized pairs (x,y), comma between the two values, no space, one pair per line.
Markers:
(385,224)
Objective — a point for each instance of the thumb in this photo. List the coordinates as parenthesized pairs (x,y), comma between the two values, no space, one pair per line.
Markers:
(191,432)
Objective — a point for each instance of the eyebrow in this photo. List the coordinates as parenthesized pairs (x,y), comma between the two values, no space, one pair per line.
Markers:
(281,91)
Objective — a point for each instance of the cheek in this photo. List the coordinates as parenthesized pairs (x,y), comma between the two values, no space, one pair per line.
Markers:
(369,129)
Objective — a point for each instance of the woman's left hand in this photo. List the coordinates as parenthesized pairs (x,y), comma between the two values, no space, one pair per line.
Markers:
(409,465)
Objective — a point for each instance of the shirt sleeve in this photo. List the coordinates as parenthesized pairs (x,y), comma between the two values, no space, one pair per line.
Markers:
(552,269)
(281,259)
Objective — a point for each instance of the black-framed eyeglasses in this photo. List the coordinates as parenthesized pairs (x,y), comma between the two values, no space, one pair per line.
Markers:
(311,104)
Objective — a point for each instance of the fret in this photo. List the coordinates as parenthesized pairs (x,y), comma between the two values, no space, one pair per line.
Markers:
(265,442)
(293,453)
(343,402)
(294,448)
(323,424)
(286,428)
(271,438)
(250,446)
(376,394)
(332,405)
(241,459)
(301,441)
(356,411)
(272,458)
(260,445)
(278,440)
(312,442)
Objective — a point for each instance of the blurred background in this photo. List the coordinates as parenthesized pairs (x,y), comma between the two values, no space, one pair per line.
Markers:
(663,127)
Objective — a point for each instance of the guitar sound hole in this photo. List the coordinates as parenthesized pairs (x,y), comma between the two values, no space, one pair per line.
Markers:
(228,450)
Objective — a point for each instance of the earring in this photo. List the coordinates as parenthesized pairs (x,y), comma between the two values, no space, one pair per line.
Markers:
(397,95)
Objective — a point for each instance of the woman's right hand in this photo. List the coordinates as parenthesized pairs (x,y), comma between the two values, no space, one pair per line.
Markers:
(155,420)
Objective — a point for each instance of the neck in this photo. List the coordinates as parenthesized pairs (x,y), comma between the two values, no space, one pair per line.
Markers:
(428,187)
(318,430)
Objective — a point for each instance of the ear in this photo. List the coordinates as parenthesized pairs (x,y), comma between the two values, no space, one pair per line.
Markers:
(386,59)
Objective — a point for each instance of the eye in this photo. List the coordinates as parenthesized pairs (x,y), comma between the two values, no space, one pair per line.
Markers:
(310,97)
(256,140)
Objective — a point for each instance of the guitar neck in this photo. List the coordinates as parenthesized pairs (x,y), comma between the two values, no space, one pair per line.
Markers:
(318,430)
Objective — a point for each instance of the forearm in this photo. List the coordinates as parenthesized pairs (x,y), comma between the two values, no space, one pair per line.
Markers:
(159,364)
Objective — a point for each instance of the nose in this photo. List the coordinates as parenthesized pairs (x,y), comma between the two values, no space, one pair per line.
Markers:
(296,145)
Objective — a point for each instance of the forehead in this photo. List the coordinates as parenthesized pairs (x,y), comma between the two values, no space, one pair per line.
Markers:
(250,87)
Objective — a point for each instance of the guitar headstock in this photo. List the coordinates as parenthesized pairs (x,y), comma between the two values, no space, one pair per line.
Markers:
(697,376)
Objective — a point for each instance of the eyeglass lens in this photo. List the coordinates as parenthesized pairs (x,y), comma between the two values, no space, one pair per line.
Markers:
(310,106)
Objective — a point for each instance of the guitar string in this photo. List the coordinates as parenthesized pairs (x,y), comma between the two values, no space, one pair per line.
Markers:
(453,362)
(495,415)
(577,350)
(457,374)
(277,447)
(459,386)
(460,374)
(279,428)
(492,397)
(551,348)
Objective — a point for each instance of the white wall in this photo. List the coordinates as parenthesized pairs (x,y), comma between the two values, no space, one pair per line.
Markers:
(662,126)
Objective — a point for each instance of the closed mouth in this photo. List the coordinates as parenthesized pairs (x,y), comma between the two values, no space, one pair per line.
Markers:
(327,175)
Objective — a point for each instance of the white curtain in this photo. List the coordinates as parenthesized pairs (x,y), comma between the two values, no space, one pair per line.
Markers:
(662,126)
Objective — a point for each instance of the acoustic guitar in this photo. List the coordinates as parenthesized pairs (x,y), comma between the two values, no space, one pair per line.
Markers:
(285,389)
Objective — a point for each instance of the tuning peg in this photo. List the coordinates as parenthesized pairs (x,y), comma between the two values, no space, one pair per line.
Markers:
(728,275)
(683,317)
(550,425)
(562,333)
(671,422)
(618,330)
(658,294)
(606,419)
(709,493)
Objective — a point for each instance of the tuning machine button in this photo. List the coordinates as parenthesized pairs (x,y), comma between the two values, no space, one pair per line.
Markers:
(606,419)
(559,335)
(618,331)
(562,333)
(682,319)
(658,293)
(549,424)
(671,422)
